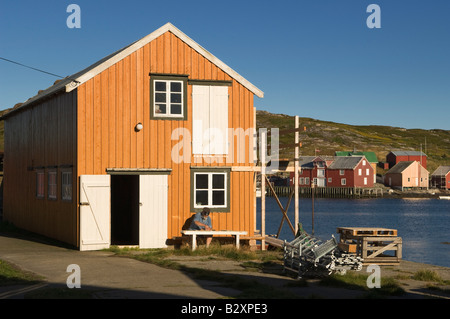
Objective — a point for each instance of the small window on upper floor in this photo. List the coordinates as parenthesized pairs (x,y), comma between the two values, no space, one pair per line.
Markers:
(168,97)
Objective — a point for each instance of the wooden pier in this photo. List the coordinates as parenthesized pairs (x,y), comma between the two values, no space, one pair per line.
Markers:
(329,192)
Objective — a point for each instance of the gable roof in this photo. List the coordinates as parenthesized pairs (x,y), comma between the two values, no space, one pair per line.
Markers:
(408,153)
(441,171)
(306,162)
(345,162)
(70,83)
(399,167)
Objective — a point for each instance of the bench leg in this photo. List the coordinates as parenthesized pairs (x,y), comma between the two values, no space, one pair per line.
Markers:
(194,242)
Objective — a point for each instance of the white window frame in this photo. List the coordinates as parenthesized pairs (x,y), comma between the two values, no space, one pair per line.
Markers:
(359,171)
(66,185)
(343,181)
(341,172)
(306,180)
(365,180)
(168,103)
(52,190)
(367,172)
(330,179)
(40,184)
(302,181)
(210,189)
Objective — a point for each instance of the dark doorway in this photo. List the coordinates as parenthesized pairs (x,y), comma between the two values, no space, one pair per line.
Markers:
(125,209)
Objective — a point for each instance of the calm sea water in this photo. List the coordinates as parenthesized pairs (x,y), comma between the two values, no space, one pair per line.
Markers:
(423,224)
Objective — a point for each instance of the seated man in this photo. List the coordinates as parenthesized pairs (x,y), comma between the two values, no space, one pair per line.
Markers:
(202,221)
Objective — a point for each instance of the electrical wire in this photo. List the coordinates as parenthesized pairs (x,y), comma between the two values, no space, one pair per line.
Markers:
(30,67)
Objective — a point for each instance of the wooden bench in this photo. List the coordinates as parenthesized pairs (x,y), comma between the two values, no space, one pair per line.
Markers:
(195,233)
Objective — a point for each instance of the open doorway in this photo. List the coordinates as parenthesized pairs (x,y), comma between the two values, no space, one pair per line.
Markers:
(125,209)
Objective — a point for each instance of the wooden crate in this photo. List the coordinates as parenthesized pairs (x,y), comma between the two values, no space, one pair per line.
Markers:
(373,250)
(374,245)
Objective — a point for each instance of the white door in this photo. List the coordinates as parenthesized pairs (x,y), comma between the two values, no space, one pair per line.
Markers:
(95,212)
(153,211)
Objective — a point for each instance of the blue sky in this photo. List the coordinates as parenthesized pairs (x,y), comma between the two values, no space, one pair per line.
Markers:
(314,59)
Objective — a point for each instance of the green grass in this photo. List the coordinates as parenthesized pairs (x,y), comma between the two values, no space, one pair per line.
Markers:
(427,275)
(435,282)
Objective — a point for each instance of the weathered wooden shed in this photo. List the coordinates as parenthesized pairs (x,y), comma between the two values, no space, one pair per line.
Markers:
(126,150)
(441,177)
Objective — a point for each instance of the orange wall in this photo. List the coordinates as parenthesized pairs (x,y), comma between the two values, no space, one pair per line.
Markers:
(114,101)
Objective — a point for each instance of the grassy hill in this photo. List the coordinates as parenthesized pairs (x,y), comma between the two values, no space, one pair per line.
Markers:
(329,137)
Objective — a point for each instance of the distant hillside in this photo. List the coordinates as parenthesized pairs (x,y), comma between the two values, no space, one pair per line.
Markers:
(329,137)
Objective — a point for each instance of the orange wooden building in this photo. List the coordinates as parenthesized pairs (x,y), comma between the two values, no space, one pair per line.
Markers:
(125,151)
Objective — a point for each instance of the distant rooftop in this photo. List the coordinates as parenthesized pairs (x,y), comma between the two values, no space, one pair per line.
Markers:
(345,162)
(399,167)
(370,156)
(408,153)
(441,170)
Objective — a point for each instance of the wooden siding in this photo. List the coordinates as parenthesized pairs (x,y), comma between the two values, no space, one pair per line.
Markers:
(113,102)
(41,137)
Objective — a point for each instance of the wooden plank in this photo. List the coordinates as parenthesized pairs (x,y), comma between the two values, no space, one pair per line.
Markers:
(274,241)
(81,129)
(146,106)
(133,110)
(97,125)
(366,231)
(104,120)
(119,115)
(89,167)
(112,116)
(126,83)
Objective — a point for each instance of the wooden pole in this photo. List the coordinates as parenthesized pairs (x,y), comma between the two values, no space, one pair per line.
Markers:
(262,154)
(255,161)
(312,196)
(296,160)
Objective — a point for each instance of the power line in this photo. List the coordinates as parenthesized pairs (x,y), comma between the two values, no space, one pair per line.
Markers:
(30,67)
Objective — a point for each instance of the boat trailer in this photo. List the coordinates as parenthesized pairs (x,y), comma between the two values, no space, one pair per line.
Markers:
(308,255)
